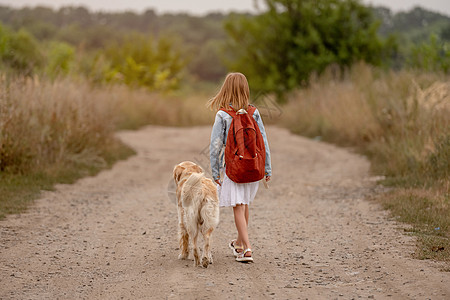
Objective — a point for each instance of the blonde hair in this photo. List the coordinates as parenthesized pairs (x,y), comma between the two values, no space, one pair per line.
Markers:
(234,91)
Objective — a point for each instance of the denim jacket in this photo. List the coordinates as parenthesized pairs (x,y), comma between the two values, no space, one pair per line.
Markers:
(219,137)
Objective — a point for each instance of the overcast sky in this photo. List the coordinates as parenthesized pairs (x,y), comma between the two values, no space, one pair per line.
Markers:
(204,6)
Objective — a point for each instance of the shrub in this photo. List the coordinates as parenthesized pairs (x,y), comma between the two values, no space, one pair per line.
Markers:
(19,51)
(59,59)
(141,61)
(433,56)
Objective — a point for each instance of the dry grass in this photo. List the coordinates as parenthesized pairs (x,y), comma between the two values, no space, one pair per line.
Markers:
(137,108)
(58,131)
(65,120)
(47,124)
(51,132)
(401,121)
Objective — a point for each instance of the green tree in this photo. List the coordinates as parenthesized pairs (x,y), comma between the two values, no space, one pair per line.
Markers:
(431,56)
(280,48)
(59,60)
(142,61)
(19,51)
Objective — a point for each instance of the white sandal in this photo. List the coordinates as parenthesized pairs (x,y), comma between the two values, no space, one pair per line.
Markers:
(242,258)
(235,248)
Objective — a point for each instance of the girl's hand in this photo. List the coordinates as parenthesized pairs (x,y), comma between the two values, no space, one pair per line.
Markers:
(218,181)
(268,178)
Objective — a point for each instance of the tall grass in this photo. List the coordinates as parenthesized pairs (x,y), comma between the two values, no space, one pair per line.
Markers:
(401,120)
(136,108)
(51,132)
(58,131)
(47,124)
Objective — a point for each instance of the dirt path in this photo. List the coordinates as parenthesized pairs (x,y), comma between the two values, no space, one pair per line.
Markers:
(314,236)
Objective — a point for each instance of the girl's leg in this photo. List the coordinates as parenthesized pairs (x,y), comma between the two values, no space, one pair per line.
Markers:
(239,239)
(246,214)
(241,226)
(246,221)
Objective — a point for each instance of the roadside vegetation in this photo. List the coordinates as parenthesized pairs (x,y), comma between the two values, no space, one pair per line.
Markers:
(400,120)
(353,75)
(58,131)
(50,133)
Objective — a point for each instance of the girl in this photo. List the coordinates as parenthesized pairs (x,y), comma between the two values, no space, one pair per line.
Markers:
(234,95)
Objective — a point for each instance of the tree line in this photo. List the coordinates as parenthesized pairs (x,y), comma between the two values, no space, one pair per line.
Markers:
(279,48)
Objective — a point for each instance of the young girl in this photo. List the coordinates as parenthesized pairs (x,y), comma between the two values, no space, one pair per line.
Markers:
(234,95)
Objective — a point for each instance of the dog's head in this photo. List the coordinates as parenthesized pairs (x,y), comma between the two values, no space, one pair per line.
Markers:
(186,168)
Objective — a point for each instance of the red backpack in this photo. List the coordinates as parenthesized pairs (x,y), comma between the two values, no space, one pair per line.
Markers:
(245,154)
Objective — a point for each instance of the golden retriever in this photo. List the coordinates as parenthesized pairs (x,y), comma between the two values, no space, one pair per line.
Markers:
(198,210)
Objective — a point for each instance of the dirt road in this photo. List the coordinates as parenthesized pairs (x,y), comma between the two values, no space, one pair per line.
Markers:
(314,235)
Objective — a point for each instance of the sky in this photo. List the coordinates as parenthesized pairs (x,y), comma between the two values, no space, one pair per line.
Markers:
(200,7)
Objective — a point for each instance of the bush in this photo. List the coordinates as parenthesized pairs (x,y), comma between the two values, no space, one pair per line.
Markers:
(433,56)
(59,60)
(141,61)
(19,51)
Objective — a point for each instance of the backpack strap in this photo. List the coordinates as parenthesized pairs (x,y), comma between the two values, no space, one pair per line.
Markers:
(250,110)
(231,112)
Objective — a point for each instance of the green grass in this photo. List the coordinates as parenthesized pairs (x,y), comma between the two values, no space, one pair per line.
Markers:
(17,191)
(428,212)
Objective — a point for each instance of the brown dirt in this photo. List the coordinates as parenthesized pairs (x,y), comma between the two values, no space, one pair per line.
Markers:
(314,235)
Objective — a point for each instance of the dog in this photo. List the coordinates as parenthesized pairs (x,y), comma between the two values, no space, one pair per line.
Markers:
(198,210)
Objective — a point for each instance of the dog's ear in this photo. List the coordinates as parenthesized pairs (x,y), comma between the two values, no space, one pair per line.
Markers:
(197,169)
(177,171)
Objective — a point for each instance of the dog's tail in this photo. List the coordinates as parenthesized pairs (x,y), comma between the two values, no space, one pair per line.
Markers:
(191,188)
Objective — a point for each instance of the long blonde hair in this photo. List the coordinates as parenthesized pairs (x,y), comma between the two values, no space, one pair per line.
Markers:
(234,90)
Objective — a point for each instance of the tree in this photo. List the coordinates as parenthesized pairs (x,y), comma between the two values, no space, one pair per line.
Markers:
(432,56)
(19,51)
(142,61)
(59,60)
(279,49)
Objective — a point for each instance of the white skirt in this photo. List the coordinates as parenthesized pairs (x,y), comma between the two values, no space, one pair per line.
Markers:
(232,193)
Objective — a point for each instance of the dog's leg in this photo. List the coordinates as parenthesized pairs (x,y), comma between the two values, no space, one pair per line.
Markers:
(183,235)
(184,243)
(195,250)
(207,256)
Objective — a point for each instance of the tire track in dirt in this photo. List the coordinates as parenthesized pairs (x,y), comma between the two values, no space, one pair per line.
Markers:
(313,233)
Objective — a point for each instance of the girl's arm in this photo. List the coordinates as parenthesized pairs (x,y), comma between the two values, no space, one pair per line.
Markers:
(216,145)
(268,166)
